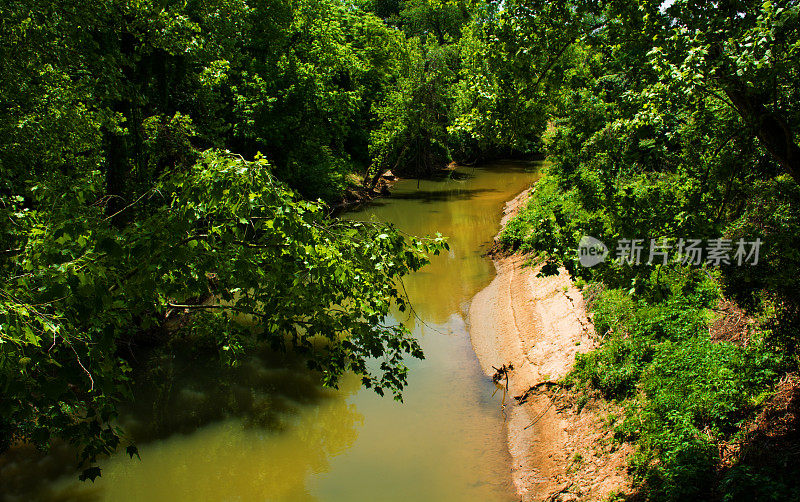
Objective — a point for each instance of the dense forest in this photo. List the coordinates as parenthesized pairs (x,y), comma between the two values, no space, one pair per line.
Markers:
(169,168)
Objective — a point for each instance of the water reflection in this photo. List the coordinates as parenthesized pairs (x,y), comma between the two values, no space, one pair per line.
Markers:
(206,431)
(467,210)
(429,196)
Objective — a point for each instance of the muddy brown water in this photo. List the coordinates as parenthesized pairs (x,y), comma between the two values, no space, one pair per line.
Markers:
(267,432)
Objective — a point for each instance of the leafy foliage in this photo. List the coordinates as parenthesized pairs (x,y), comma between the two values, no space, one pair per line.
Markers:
(683,394)
(221,240)
(123,210)
(666,127)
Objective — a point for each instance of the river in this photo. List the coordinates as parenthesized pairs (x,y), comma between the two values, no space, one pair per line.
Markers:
(266,432)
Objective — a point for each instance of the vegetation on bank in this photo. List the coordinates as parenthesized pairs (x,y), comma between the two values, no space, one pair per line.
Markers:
(158,157)
(681,124)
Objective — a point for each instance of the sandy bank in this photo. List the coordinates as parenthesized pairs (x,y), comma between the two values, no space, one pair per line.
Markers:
(538,324)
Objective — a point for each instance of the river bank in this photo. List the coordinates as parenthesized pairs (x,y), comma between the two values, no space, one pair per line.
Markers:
(560,449)
(359,192)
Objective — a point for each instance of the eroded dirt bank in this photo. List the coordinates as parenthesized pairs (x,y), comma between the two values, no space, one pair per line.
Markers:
(560,451)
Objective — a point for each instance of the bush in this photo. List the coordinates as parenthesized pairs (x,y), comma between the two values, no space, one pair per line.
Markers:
(682,392)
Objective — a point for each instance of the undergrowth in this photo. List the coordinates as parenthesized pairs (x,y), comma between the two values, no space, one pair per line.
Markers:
(683,394)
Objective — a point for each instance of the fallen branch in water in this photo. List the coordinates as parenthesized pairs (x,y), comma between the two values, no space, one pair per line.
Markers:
(499,374)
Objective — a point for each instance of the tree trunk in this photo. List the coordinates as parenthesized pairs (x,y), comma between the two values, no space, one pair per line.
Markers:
(772,131)
(117,173)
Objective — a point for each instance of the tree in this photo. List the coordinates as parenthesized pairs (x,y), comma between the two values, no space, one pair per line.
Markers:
(677,124)
(222,240)
(412,137)
(121,212)
(752,58)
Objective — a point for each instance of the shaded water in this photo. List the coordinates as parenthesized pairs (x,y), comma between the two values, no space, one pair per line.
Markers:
(266,431)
